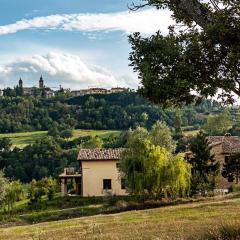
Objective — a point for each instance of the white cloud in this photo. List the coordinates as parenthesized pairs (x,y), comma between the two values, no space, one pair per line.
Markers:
(60,68)
(146,21)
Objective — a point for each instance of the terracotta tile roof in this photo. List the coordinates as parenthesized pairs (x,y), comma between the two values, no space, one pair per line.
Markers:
(230,144)
(99,154)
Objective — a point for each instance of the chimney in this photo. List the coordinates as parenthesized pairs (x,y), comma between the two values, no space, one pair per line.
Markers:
(227,135)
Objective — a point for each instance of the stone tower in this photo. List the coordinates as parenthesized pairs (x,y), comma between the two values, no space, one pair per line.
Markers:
(20,83)
(41,82)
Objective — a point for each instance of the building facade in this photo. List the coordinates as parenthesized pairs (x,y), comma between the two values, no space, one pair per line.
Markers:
(91,91)
(119,90)
(34,91)
(98,174)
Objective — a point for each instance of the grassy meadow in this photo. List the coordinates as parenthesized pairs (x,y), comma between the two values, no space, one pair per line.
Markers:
(23,139)
(188,221)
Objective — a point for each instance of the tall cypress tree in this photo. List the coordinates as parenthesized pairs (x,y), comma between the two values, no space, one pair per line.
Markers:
(178,124)
(204,167)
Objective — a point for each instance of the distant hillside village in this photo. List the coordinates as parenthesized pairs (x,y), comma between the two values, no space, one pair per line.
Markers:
(47,92)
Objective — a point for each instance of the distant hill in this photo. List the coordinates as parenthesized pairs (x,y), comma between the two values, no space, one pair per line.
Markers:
(117,111)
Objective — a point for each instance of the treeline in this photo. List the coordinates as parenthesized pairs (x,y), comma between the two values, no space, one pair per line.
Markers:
(111,111)
(20,114)
(49,156)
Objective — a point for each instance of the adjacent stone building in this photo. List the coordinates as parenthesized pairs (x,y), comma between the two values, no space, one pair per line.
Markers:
(222,147)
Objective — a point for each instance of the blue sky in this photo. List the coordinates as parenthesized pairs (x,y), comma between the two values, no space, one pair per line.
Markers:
(76,43)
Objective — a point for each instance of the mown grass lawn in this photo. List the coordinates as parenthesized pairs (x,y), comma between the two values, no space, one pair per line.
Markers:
(189,221)
(23,139)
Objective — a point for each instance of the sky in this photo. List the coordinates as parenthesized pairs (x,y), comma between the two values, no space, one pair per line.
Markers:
(74,43)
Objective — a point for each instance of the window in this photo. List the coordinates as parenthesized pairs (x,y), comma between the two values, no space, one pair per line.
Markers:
(227,158)
(107,184)
(123,183)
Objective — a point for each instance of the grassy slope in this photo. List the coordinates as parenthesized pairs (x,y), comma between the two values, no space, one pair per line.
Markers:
(22,139)
(175,222)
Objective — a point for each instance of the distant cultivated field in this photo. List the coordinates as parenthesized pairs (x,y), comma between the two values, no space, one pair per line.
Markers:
(189,221)
(22,139)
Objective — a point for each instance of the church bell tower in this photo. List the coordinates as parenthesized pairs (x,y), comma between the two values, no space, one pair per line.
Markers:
(20,83)
(41,83)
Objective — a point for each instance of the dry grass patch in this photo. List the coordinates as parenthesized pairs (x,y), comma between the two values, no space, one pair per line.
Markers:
(188,221)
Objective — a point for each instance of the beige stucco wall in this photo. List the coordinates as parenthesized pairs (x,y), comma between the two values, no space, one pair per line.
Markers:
(93,173)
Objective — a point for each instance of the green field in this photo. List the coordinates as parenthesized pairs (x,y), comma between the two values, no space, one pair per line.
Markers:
(22,139)
(25,138)
(191,133)
(188,221)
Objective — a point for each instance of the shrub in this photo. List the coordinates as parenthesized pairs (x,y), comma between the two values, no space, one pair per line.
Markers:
(229,231)
(121,204)
(235,188)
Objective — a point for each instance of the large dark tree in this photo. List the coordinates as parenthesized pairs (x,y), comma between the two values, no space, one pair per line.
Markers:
(204,167)
(231,168)
(195,62)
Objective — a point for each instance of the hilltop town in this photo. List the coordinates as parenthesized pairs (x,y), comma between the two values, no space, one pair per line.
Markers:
(47,92)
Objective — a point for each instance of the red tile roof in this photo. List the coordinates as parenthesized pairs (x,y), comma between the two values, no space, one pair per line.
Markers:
(99,154)
(230,144)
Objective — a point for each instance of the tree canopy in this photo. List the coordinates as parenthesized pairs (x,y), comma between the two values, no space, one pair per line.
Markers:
(149,166)
(205,168)
(197,60)
(218,124)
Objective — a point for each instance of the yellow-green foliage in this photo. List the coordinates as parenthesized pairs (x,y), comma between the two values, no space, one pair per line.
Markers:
(150,167)
(14,193)
(179,175)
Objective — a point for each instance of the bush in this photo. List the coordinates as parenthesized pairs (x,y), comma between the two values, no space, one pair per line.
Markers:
(224,232)
(121,204)
(66,134)
(38,189)
(235,188)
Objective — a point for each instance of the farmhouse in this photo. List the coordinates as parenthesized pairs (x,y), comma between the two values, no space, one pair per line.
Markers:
(97,175)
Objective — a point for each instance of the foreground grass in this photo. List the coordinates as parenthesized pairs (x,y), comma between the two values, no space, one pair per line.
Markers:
(23,139)
(189,221)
